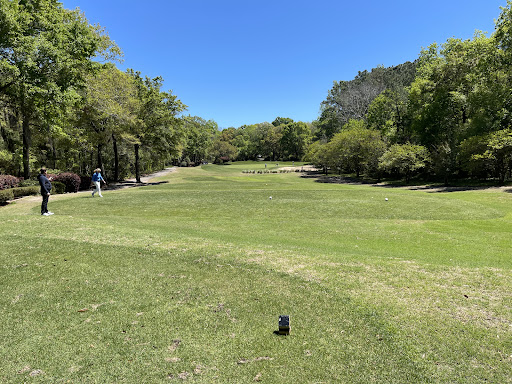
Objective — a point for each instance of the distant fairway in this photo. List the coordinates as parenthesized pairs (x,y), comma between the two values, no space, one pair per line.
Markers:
(184,282)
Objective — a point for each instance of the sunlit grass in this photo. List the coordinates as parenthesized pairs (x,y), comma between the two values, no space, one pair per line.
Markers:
(185,280)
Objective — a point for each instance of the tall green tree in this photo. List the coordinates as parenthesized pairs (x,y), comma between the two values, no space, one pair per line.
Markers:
(45,51)
(281,121)
(317,154)
(388,114)
(348,100)
(355,149)
(158,126)
(451,100)
(405,159)
(498,153)
(108,110)
(271,142)
(296,137)
(200,134)
(10,139)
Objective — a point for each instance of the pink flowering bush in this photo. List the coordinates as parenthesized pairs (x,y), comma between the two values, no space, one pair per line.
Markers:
(8,181)
(69,179)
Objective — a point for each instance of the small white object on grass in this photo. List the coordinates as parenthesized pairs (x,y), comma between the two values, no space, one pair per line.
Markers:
(270,197)
(386,199)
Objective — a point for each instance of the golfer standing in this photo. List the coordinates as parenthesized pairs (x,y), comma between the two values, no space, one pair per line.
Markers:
(97,179)
(46,187)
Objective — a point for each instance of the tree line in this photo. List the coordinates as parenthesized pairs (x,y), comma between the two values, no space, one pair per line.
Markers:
(65,105)
(445,116)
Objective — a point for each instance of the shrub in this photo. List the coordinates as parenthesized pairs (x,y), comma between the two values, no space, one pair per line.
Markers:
(6,195)
(58,187)
(8,181)
(29,183)
(25,191)
(50,171)
(71,181)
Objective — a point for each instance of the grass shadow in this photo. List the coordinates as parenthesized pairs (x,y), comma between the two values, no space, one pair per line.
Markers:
(131,184)
(430,188)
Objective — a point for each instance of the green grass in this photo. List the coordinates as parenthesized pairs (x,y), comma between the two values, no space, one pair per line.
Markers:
(184,281)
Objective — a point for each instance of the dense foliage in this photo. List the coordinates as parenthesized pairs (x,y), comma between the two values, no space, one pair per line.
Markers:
(61,108)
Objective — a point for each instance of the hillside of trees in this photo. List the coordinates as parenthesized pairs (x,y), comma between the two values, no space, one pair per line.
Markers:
(65,105)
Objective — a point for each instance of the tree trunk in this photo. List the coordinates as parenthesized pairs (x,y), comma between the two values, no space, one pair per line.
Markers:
(398,124)
(100,159)
(26,145)
(502,172)
(116,158)
(54,155)
(137,170)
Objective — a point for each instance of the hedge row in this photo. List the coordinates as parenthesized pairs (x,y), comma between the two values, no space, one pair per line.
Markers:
(25,191)
(12,187)
(13,193)
(6,195)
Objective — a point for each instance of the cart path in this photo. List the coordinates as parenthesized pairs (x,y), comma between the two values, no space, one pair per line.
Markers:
(146,179)
(129,183)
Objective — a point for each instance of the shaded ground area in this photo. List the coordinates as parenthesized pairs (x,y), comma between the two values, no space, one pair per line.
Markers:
(145,180)
(330,179)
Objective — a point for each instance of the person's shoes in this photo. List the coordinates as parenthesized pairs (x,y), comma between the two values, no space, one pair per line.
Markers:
(46,214)
(50,213)
(101,195)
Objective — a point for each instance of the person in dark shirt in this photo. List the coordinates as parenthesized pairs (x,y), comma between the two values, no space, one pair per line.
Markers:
(46,187)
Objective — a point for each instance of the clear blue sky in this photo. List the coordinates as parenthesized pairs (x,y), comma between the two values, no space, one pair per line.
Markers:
(249,61)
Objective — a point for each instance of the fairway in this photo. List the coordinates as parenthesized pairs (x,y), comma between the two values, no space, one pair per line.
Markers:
(184,281)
